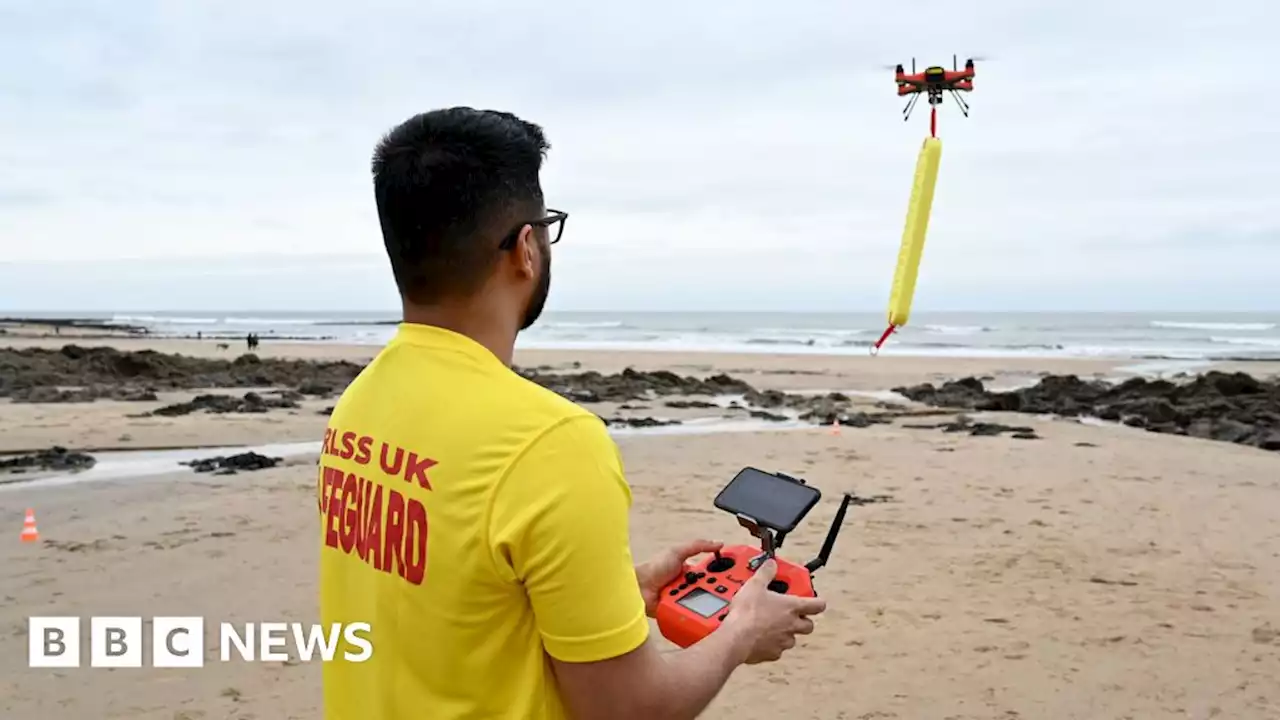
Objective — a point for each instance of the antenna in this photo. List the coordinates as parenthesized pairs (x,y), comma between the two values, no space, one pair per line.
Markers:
(954,66)
(827,545)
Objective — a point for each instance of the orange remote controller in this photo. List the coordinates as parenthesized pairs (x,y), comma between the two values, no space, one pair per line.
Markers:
(769,505)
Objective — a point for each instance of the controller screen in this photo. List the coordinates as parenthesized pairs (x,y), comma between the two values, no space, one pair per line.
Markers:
(703,602)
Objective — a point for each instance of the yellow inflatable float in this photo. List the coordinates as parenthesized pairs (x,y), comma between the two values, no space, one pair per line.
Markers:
(913,237)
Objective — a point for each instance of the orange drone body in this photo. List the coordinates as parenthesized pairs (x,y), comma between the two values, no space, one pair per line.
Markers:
(933,82)
(935,79)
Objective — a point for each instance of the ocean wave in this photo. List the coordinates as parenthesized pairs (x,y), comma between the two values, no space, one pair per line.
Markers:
(806,339)
(227,320)
(154,320)
(1254,341)
(279,321)
(1170,324)
(957,329)
(600,325)
(829,332)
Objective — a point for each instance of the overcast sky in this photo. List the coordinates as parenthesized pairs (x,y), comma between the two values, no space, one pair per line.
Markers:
(712,155)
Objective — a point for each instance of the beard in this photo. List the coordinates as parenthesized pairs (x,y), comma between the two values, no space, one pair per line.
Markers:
(539,297)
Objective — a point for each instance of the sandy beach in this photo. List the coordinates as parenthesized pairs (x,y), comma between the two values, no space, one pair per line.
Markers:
(1095,572)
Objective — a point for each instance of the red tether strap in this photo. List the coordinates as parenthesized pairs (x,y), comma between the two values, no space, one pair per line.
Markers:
(888,331)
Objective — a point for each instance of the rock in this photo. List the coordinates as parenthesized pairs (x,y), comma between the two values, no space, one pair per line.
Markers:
(766,415)
(631,384)
(859,420)
(289,396)
(767,398)
(643,422)
(1223,429)
(231,464)
(43,375)
(52,395)
(251,403)
(979,429)
(963,423)
(318,389)
(55,458)
(1227,407)
(686,404)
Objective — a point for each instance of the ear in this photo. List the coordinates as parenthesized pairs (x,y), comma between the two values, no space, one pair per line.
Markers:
(526,251)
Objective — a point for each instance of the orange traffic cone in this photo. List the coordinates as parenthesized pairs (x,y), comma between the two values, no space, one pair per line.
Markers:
(29,532)
(835,426)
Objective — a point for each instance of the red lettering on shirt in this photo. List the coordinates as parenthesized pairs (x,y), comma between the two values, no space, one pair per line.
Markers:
(373,536)
(392,467)
(392,552)
(363,514)
(359,448)
(417,470)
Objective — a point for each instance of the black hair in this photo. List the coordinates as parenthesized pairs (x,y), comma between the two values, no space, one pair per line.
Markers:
(449,185)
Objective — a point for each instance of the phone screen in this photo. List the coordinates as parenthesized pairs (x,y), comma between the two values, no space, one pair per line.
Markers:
(772,501)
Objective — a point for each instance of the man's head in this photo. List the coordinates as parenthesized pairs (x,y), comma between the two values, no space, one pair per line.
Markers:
(462,211)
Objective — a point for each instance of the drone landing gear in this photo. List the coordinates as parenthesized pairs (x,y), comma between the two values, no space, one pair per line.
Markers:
(911,104)
(935,99)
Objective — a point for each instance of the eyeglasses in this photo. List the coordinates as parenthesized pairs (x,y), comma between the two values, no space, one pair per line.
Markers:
(553,222)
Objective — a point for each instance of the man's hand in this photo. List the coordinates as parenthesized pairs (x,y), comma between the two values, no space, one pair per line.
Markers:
(658,572)
(770,620)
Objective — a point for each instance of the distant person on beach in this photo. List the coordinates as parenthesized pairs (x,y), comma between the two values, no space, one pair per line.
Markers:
(476,520)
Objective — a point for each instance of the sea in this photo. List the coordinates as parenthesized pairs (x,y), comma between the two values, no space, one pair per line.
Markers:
(1149,336)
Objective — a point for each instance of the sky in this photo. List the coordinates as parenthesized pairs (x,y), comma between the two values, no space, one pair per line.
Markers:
(717,155)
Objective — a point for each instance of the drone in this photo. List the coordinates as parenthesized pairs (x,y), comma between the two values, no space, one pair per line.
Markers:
(935,81)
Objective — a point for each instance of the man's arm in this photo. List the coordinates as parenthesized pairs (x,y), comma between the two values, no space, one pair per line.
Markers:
(648,683)
(560,524)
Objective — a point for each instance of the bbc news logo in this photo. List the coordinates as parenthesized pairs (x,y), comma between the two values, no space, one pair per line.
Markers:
(179,642)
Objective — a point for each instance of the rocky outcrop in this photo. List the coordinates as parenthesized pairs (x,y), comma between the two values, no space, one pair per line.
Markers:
(232,464)
(251,402)
(1230,407)
(35,374)
(630,384)
(55,459)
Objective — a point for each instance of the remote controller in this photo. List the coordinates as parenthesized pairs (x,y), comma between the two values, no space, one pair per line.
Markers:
(769,505)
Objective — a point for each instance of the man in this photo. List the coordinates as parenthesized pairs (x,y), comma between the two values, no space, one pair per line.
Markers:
(476,521)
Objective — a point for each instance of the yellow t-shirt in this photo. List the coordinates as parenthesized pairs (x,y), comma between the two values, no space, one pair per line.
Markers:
(477,522)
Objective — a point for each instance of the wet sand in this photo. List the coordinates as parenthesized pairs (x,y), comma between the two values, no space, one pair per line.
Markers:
(1099,572)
